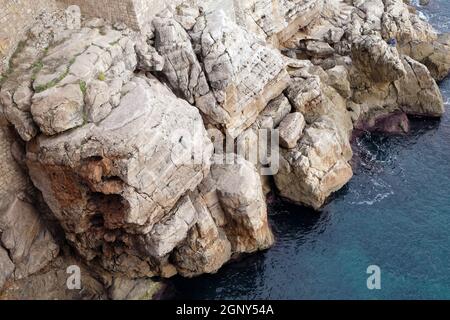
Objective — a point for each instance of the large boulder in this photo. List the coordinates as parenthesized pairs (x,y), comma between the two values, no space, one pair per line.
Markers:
(232,217)
(181,67)
(110,183)
(418,93)
(6,266)
(316,167)
(244,74)
(372,56)
(51,94)
(25,235)
(435,55)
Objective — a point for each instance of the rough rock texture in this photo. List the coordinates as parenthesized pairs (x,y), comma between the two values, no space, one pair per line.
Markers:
(418,93)
(133,289)
(51,284)
(316,168)
(6,266)
(378,61)
(108,182)
(112,127)
(30,245)
(243,73)
(232,217)
(291,128)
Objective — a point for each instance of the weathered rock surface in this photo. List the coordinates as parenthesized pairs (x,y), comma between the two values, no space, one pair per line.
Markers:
(181,66)
(114,126)
(24,234)
(243,73)
(291,129)
(418,93)
(108,182)
(6,267)
(277,109)
(133,289)
(434,55)
(60,78)
(51,284)
(314,169)
(232,217)
(378,61)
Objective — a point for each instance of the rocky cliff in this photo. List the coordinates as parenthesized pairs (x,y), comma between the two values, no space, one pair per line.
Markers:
(149,153)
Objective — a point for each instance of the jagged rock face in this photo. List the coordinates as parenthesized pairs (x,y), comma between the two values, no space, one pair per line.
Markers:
(317,167)
(108,182)
(280,19)
(206,247)
(243,73)
(27,239)
(418,93)
(291,129)
(434,55)
(61,78)
(122,157)
(181,66)
(376,59)
(399,23)
(232,218)
(6,266)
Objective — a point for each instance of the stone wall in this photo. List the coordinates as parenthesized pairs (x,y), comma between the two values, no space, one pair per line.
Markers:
(16,16)
(134,13)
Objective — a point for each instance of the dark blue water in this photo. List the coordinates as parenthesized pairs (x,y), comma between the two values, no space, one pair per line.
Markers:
(394,213)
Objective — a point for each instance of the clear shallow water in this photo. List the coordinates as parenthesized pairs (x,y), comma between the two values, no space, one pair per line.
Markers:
(394,213)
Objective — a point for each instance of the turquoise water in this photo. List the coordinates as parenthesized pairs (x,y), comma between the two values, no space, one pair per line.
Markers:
(394,213)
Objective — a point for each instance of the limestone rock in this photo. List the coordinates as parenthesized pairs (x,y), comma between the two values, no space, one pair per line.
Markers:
(338,79)
(291,129)
(375,58)
(25,236)
(418,93)
(243,73)
(239,191)
(59,77)
(58,109)
(435,55)
(133,289)
(206,247)
(316,48)
(6,267)
(404,26)
(73,17)
(51,284)
(148,58)
(167,234)
(181,67)
(97,99)
(277,109)
(314,169)
(232,217)
(280,20)
(305,95)
(109,184)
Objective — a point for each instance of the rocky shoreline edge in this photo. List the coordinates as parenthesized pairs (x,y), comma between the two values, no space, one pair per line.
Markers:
(136,155)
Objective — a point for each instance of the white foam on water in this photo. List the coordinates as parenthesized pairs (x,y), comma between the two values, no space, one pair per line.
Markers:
(423,16)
